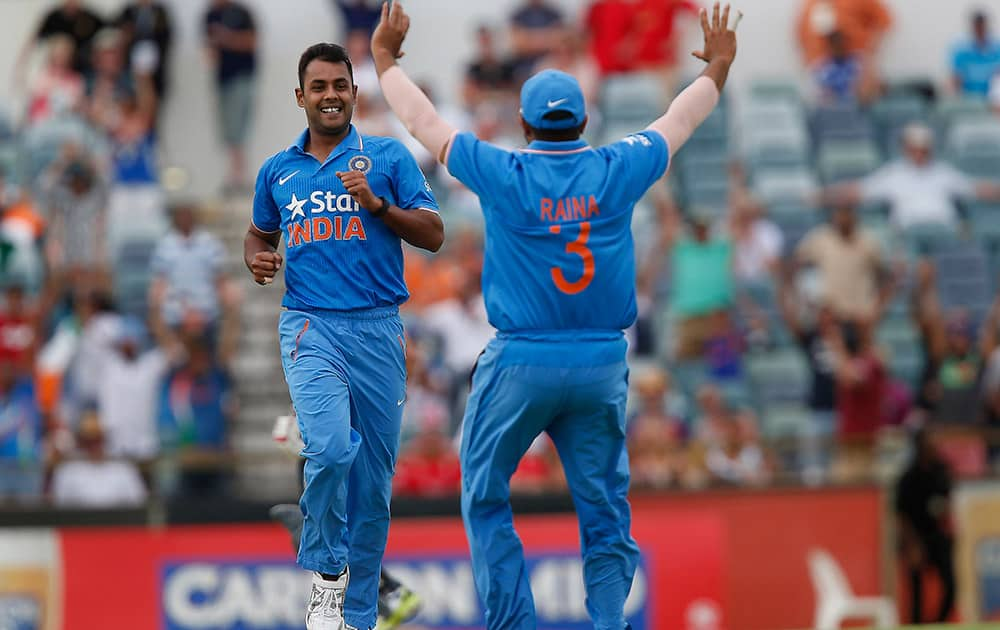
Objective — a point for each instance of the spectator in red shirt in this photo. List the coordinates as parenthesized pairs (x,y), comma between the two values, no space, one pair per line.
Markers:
(429,466)
(654,30)
(19,335)
(862,384)
(609,23)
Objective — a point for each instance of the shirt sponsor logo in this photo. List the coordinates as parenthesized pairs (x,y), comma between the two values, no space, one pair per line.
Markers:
(304,227)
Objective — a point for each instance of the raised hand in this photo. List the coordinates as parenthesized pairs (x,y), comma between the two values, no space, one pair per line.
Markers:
(391,31)
(720,40)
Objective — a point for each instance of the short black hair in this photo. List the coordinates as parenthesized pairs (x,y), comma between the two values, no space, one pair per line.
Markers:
(334,53)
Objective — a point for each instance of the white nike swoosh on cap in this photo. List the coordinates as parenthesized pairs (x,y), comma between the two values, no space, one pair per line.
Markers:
(552,104)
(281,182)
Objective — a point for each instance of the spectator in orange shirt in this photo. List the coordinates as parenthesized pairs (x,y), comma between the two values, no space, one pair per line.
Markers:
(863,24)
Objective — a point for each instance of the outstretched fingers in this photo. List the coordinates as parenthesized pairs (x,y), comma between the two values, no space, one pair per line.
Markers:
(715,17)
(704,22)
(725,18)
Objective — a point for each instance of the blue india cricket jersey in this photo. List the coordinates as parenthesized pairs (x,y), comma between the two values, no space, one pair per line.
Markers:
(559,251)
(339,257)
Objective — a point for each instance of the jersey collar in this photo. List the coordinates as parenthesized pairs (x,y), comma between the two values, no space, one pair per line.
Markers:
(568,146)
(352,141)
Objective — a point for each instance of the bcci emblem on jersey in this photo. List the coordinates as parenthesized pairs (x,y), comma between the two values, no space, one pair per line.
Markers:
(361,163)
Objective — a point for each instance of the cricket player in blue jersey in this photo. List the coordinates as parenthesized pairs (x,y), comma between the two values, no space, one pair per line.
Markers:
(559,285)
(342,201)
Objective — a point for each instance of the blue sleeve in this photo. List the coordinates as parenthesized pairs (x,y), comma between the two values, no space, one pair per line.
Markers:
(475,163)
(266,215)
(410,187)
(641,159)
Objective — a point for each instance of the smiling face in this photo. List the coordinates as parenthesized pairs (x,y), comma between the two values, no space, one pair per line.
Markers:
(328,95)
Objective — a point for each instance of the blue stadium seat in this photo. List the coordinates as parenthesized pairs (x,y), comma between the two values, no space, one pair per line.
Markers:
(840,160)
(777,186)
(632,98)
(949,111)
(841,122)
(983,217)
(930,239)
(891,114)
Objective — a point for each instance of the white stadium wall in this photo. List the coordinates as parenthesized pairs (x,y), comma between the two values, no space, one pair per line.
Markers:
(437,51)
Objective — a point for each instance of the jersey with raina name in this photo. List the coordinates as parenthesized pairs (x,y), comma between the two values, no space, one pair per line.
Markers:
(337,256)
(559,250)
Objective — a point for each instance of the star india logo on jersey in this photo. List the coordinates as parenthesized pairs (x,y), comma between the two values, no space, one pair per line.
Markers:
(305,226)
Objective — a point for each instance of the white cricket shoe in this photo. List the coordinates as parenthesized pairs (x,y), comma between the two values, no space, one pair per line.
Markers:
(326,603)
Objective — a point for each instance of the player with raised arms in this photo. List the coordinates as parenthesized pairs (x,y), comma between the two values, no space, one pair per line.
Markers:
(559,285)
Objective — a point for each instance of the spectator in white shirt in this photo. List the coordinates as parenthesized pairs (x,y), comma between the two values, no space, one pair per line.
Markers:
(94,481)
(129,395)
(757,241)
(919,189)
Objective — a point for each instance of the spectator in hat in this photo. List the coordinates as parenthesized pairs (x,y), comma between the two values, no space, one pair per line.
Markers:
(91,479)
(129,394)
(919,189)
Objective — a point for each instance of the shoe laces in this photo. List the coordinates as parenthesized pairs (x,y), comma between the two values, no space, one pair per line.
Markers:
(327,602)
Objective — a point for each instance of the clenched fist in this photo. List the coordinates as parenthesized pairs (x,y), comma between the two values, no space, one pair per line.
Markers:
(357,186)
(264,265)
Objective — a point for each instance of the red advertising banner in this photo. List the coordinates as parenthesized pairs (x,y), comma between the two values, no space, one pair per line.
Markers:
(713,561)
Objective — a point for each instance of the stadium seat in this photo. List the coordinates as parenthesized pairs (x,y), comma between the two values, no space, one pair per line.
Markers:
(777,147)
(794,185)
(836,601)
(794,220)
(784,420)
(930,239)
(983,217)
(779,377)
(949,111)
(706,191)
(891,114)
(974,146)
(839,160)
(841,122)
(632,98)
(776,89)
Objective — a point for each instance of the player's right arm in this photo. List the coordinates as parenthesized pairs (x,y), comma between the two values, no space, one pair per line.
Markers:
(696,102)
(407,101)
(260,246)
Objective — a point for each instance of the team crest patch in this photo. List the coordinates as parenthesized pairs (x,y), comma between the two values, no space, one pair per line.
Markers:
(361,163)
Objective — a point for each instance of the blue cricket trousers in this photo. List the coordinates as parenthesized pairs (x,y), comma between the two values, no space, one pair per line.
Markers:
(572,385)
(346,373)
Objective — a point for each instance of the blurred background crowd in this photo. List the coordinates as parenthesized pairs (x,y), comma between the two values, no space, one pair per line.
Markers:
(817,273)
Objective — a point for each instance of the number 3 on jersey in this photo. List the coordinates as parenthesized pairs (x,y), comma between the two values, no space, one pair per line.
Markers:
(579,248)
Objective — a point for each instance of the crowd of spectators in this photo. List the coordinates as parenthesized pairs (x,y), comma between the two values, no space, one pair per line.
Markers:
(118,323)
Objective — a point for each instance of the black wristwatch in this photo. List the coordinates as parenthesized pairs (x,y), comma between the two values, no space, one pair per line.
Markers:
(383,209)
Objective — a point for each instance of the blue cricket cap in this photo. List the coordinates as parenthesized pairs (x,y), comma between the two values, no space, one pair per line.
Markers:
(552,91)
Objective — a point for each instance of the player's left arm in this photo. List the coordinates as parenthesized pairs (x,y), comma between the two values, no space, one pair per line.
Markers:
(407,101)
(420,227)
